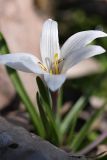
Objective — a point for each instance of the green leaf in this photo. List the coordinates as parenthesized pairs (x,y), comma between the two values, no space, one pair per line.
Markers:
(3,45)
(43,116)
(53,126)
(68,120)
(50,130)
(71,133)
(44,91)
(80,104)
(21,91)
(45,97)
(47,104)
(85,129)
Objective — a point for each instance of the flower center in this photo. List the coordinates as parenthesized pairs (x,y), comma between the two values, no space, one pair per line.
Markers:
(52,66)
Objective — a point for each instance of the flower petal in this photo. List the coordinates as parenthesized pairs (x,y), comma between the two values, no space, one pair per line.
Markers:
(21,61)
(80,39)
(49,44)
(81,54)
(54,82)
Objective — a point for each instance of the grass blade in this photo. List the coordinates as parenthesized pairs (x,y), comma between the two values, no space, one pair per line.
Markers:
(43,116)
(21,91)
(48,125)
(81,103)
(47,104)
(44,91)
(85,129)
(73,113)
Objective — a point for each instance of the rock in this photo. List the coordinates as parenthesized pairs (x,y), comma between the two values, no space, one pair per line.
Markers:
(16,143)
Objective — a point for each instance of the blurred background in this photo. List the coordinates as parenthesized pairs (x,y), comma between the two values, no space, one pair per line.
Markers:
(21,24)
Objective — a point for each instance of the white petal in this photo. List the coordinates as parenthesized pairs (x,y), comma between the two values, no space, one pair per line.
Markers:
(81,54)
(54,82)
(79,40)
(49,44)
(21,61)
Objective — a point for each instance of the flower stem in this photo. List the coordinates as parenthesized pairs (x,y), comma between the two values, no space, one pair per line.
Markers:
(54,96)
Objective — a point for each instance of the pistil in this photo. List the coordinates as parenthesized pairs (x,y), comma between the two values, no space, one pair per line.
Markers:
(56,64)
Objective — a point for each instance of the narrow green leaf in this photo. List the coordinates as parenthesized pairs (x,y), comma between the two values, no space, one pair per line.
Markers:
(21,91)
(43,116)
(48,125)
(44,91)
(85,129)
(73,113)
(71,133)
(53,126)
(47,103)
(80,104)
(3,45)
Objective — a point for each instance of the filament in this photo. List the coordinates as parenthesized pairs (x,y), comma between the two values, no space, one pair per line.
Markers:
(42,66)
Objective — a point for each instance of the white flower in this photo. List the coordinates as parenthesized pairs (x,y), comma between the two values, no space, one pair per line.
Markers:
(55,61)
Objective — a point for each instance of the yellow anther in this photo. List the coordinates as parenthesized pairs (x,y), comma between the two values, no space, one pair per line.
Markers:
(50,71)
(56,56)
(42,66)
(56,63)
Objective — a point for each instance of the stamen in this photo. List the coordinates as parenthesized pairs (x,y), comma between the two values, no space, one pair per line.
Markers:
(50,71)
(42,66)
(60,60)
(56,63)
